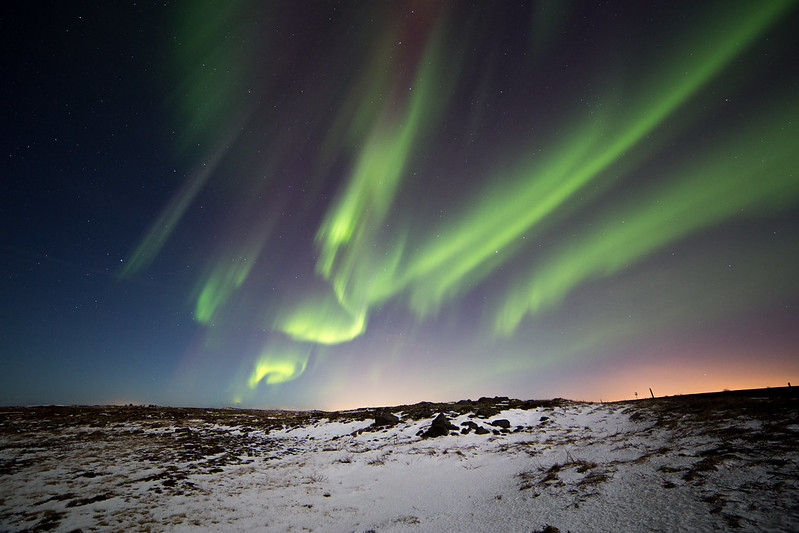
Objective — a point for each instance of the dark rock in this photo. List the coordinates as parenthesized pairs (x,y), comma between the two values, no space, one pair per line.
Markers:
(543,419)
(435,431)
(472,426)
(440,427)
(386,419)
(501,423)
(442,420)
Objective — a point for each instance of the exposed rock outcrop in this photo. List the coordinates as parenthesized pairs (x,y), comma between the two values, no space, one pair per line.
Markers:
(441,426)
(386,419)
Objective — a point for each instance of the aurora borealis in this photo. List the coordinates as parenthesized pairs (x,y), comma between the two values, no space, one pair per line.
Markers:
(340,204)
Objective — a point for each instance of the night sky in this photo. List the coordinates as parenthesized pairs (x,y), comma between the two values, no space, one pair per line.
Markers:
(341,204)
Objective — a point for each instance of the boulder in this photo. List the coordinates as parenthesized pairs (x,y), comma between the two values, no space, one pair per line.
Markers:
(435,431)
(501,423)
(485,412)
(386,419)
(441,426)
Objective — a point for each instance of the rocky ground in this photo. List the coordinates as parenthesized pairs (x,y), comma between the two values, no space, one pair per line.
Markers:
(726,461)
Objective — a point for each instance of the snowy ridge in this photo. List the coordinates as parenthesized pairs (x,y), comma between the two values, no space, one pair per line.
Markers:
(694,463)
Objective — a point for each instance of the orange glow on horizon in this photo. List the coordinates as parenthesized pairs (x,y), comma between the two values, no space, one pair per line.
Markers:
(717,370)
(666,370)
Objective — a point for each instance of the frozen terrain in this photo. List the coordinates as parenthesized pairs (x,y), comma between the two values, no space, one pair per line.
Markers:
(721,462)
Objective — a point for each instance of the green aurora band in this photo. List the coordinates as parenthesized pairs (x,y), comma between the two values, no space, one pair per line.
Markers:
(759,180)
(279,365)
(220,286)
(322,319)
(354,222)
(467,251)
(458,255)
(368,256)
(168,219)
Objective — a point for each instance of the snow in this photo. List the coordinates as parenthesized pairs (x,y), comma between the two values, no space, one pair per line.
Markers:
(575,466)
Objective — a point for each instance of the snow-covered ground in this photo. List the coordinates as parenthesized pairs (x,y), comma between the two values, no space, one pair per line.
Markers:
(673,464)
